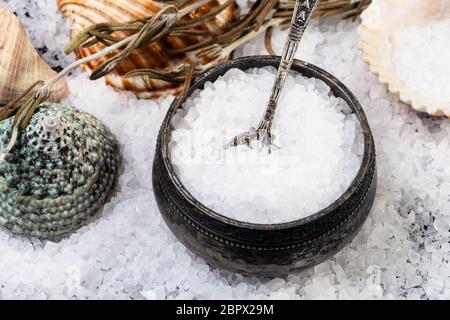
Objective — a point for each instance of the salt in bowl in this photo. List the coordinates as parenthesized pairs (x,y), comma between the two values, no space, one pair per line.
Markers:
(267,250)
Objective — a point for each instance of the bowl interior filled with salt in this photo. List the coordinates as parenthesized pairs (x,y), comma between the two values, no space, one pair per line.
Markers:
(313,189)
(319,147)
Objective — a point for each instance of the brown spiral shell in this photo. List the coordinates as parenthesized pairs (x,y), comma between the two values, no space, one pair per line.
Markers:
(20,64)
(84,13)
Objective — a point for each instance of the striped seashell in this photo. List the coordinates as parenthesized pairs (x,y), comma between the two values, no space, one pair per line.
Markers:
(20,64)
(84,13)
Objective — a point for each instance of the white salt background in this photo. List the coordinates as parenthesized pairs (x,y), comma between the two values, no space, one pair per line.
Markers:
(402,251)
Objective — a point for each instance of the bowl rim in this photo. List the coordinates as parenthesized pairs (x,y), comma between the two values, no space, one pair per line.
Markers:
(220,70)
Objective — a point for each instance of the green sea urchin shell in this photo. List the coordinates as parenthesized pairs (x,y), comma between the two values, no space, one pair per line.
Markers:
(62,169)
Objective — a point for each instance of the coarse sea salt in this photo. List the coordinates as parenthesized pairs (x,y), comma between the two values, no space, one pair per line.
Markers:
(402,251)
(422,60)
(319,138)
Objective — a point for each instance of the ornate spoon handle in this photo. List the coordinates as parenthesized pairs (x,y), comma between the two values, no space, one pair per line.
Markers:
(300,19)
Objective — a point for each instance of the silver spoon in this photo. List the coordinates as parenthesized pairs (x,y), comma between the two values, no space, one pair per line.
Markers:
(302,13)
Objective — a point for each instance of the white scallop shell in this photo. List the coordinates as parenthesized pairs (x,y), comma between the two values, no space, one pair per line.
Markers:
(380,21)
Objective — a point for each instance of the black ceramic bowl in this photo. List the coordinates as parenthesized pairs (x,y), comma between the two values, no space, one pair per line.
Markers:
(270,249)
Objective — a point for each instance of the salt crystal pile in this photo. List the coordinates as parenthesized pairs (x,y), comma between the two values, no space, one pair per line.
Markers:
(421,57)
(320,141)
(402,252)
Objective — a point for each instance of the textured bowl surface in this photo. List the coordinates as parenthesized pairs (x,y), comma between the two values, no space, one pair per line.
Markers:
(380,21)
(257,249)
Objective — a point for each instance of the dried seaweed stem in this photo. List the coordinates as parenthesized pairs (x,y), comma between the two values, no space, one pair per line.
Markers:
(263,16)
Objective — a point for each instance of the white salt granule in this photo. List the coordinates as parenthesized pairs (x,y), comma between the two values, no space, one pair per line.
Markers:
(421,56)
(130,253)
(320,148)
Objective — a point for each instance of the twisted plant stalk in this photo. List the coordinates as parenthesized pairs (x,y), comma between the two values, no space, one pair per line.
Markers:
(260,19)
(152,29)
(263,16)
